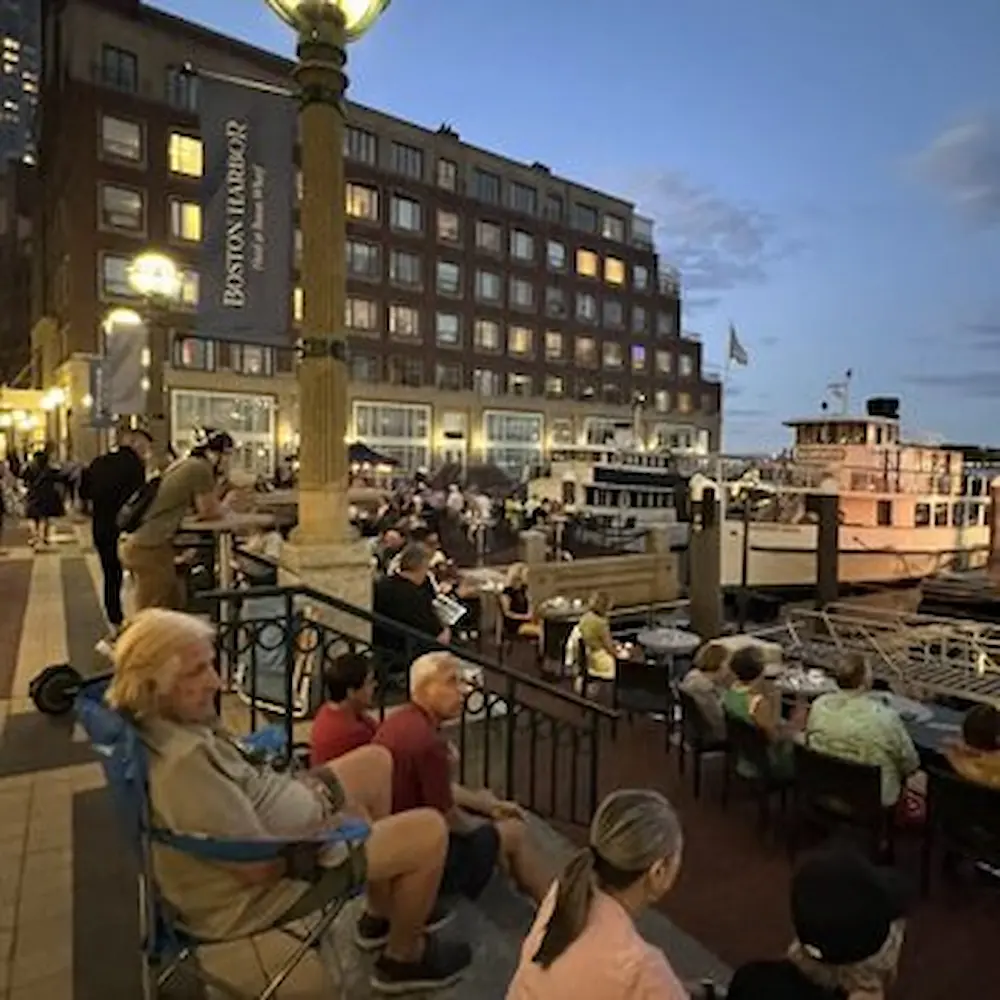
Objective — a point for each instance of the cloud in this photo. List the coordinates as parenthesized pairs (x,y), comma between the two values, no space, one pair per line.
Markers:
(963,163)
(745,412)
(715,243)
(983,336)
(971,385)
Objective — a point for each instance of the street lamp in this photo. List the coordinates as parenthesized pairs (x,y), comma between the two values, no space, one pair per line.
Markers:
(324,28)
(156,279)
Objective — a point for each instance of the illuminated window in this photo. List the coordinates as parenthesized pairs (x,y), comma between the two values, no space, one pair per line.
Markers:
(553,345)
(520,341)
(122,208)
(362,202)
(587,263)
(404,323)
(613,355)
(661,401)
(190,287)
(555,386)
(638,356)
(185,220)
(520,385)
(614,271)
(586,352)
(297,304)
(362,315)
(449,229)
(185,155)
(486,336)
(684,402)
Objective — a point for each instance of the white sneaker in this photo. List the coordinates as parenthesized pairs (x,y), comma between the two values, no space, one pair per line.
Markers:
(106,646)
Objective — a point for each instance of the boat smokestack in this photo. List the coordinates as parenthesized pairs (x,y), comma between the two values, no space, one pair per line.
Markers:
(883,406)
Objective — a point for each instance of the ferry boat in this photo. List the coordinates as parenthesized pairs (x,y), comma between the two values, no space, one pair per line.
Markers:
(907,510)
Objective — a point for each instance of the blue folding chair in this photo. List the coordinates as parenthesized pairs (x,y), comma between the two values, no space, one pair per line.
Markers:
(166,948)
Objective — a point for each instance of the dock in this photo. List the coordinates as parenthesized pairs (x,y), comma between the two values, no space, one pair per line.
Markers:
(974,594)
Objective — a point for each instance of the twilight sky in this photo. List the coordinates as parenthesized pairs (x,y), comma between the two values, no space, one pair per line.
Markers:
(826,176)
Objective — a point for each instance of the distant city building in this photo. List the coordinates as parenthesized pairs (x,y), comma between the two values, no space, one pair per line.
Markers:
(20,72)
(495,309)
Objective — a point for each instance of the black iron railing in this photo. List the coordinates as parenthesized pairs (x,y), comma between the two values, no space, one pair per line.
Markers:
(526,739)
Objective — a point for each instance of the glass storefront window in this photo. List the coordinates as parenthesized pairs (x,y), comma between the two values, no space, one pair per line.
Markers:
(513,441)
(250,420)
(401,432)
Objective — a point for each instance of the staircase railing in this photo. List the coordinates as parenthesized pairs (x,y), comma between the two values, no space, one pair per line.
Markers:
(521,736)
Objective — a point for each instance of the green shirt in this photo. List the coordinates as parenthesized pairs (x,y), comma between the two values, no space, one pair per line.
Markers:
(182,482)
(851,725)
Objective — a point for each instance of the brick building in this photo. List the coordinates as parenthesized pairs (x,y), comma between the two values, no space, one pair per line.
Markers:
(495,308)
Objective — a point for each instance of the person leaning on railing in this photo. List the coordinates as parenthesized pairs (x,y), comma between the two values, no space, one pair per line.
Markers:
(584,944)
(202,782)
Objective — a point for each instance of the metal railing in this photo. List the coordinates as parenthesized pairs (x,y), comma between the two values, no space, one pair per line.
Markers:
(521,736)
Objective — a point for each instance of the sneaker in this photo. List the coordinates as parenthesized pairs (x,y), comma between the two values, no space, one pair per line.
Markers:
(106,646)
(373,932)
(441,965)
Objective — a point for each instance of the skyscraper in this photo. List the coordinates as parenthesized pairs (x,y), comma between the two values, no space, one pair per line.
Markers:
(20,68)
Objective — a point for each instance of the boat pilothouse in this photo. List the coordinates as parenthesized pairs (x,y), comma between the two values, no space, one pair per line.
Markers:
(907,509)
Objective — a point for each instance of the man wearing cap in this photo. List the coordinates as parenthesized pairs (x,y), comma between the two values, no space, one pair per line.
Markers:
(849,928)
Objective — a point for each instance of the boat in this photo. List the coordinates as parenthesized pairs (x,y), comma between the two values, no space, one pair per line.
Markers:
(908,510)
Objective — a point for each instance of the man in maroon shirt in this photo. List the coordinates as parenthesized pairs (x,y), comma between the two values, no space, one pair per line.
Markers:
(343,724)
(484,830)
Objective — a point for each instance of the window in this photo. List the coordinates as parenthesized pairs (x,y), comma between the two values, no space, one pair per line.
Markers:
(522,245)
(513,441)
(586,307)
(555,255)
(586,352)
(195,353)
(638,357)
(661,401)
(365,368)
(406,214)
(190,288)
(489,237)
(298,304)
(114,277)
(614,313)
(883,513)
(449,278)
(404,323)
(404,269)
(250,419)
(486,336)
(522,294)
(185,155)
(488,286)
(614,271)
(638,319)
(553,345)
(585,218)
(520,385)
(922,515)
(663,362)
(182,89)
(555,386)
(399,430)
(406,371)
(447,175)
(122,208)
(119,69)
(361,146)
(448,329)
(449,228)
(364,260)
(362,202)
(686,366)
(555,301)
(486,382)
(122,140)
(613,393)
(448,375)
(640,277)
(406,160)
(522,198)
(941,515)
(555,207)
(185,220)
(587,263)
(362,315)
(684,402)
(613,228)
(486,187)
(613,355)
(585,389)
(521,342)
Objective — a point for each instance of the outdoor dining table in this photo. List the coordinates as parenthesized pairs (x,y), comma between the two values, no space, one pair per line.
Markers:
(931,727)
(559,615)
(667,644)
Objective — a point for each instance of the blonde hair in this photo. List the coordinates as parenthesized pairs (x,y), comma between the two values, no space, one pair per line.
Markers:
(517,574)
(428,666)
(600,602)
(147,658)
(711,658)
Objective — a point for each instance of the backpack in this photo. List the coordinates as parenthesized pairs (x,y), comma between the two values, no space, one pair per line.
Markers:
(135,508)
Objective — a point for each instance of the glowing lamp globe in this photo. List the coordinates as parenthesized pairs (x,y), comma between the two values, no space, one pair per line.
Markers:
(358,15)
(155,276)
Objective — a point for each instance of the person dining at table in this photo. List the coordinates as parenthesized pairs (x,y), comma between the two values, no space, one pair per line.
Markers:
(976,756)
(705,683)
(595,636)
(850,724)
(515,605)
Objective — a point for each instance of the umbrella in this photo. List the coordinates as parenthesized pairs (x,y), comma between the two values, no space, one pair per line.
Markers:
(361,454)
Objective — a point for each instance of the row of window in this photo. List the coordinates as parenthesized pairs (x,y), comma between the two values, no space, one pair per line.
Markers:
(120,71)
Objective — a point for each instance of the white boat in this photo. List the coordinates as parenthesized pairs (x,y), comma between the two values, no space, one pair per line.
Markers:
(907,510)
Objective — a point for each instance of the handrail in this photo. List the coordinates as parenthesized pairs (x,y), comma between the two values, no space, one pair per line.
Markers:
(239,595)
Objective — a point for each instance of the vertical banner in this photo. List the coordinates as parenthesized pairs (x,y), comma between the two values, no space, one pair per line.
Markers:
(100,413)
(248,193)
(125,352)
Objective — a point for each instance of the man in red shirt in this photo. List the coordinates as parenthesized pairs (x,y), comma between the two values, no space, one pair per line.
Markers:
(343,724)
(484,831)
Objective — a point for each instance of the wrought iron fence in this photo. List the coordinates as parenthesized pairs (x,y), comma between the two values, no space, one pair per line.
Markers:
(518,735)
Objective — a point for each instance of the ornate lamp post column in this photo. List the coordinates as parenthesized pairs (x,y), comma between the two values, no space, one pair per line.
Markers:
(324,28)
(157,280)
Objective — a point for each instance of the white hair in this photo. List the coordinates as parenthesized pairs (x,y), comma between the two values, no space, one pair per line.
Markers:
(427,667)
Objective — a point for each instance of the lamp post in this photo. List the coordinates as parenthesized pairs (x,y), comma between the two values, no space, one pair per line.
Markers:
(324,29)
(156,279)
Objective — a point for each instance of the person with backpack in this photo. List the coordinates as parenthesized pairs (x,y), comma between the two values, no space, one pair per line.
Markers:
(105,487)
(150,519)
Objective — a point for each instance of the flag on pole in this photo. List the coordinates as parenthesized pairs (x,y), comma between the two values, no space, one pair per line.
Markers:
(737,353)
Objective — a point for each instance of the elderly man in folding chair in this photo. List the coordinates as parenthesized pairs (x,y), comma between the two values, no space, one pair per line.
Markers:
(202,782)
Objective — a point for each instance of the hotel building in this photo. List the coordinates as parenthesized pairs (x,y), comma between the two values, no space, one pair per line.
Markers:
(495,310)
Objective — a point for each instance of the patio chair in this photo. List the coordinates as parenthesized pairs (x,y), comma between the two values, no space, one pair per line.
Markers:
(166,948)
(696,736)
(748,743)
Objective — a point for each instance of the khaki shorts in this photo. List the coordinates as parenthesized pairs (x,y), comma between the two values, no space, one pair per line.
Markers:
(154,574)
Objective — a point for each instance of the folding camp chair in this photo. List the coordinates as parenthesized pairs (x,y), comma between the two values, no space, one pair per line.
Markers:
(166,948)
